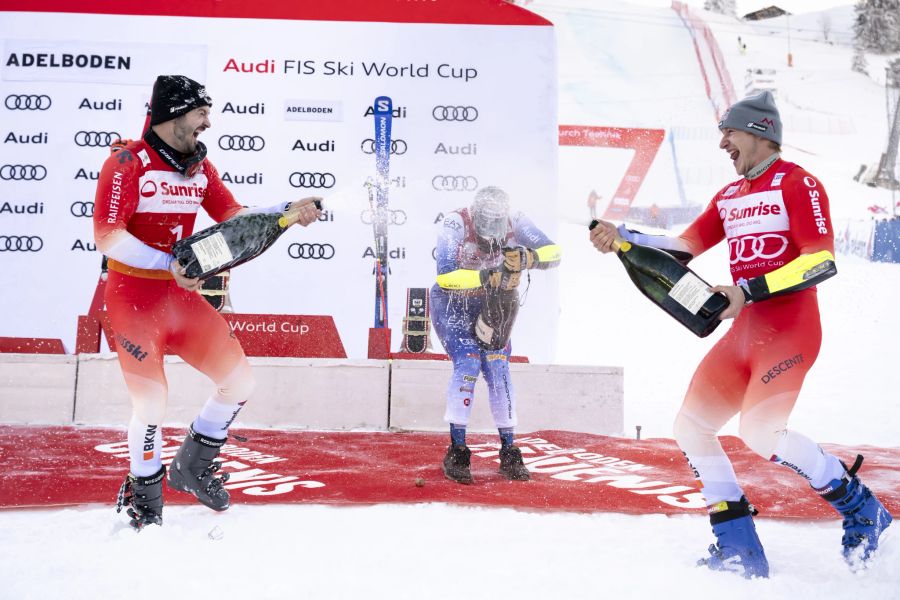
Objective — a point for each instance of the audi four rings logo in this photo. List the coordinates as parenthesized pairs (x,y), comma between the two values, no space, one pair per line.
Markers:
(311,251)
(311,180)
(397,217)
(20,243)
(28,102)
(454,183)
(82,209)
(454,113)
(246,143)
(398,146)
(751,247)
(96,139)
(23,172)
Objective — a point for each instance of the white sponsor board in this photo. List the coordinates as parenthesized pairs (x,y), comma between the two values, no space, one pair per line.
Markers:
(474,105)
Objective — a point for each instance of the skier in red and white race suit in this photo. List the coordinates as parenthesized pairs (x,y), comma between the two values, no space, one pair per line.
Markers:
(148,195)
(781,242)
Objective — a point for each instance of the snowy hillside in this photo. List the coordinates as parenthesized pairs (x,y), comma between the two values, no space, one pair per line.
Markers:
(624,65)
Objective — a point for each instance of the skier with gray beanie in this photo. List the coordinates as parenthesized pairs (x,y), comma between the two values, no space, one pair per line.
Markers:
(776,221)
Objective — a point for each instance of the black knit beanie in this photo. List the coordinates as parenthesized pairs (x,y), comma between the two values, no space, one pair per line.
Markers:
(175,95)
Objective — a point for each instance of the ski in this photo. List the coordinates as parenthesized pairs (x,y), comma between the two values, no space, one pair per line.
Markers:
(382,111)
(417,324)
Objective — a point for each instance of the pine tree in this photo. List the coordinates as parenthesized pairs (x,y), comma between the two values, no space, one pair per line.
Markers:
(877,25)
(723,7)
(859,61)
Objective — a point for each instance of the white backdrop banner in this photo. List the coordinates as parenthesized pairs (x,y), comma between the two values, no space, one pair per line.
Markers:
(474,105)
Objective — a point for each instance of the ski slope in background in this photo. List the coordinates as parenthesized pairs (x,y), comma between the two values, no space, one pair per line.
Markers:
(620,65)
(623,65)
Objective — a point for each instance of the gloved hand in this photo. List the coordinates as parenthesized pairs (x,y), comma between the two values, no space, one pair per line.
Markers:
(501,278)
(518,258)
(118,145)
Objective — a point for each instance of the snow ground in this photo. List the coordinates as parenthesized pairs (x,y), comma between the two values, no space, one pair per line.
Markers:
(619,65)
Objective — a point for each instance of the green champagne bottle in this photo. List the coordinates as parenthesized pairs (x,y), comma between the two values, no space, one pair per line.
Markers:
(233,242)
(672,286)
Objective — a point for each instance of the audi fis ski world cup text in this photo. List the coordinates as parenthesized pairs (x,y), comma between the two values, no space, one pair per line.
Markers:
(343,68)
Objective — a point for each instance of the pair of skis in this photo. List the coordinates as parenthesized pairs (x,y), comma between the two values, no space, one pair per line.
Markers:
(415,326)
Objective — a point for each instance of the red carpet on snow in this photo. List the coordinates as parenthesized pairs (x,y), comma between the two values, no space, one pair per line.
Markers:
(62,466)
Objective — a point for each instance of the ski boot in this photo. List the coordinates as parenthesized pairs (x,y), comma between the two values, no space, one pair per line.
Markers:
(865,517)
(193,471)
(144,496)
(737,547)
(456,464)
(511,465)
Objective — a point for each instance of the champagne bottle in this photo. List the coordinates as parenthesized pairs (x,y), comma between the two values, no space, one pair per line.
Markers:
(672,286)
(494,324)
(233,242)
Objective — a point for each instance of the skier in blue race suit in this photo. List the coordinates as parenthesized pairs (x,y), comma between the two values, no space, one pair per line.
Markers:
(482,250)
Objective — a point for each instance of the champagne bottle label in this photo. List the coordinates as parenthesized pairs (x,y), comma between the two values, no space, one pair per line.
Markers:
(212,252)
(691,292)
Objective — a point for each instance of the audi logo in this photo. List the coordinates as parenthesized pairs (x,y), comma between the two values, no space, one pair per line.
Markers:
(28,102)
(398,146)
(20,243)
(311,180)
(454,113)
(242,142)
(82,209)
(752,247)
(96,139)
(397,217)
(311,251)
(454,183)
(23,172)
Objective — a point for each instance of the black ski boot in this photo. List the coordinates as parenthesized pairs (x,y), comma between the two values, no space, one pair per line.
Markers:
(193,471)
(511,465)
(144,496)
(456,464)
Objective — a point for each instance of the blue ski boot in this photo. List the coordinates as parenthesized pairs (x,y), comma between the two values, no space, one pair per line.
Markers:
(737,546)
(865,517)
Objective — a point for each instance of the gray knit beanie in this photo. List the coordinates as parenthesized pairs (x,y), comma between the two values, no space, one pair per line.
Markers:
(754,114)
